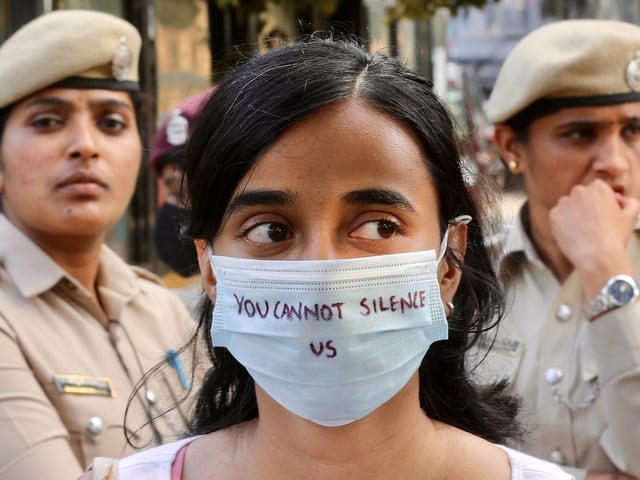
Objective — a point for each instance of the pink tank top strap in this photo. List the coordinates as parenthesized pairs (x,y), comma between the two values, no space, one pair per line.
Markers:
(178,464)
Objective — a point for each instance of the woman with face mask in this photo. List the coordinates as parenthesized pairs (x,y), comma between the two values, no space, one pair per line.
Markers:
(78,326)
(346,276)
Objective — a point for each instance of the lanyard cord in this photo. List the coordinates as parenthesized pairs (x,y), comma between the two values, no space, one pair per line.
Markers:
(149,395)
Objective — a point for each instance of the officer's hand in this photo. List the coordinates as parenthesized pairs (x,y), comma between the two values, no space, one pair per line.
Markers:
(592,225)
(609,476)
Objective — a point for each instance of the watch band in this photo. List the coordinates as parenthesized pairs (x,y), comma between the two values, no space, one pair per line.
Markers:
(620,290)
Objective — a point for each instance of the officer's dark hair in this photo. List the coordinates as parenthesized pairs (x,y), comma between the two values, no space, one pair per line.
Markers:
(248,112)
(4,114)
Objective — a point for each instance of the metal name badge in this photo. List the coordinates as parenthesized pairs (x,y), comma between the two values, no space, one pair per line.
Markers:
(633,73)
(84,385)
(510,346)
(121,61)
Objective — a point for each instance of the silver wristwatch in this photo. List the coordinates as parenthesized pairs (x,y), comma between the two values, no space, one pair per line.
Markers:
(620,290)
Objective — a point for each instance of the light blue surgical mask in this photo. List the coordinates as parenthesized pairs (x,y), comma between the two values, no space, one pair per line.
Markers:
(330,340)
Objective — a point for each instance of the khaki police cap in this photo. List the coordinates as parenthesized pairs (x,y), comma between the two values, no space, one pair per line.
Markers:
(568,63)
(73,48)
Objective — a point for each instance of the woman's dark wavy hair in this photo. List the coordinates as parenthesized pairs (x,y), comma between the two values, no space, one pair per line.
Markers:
(248,112)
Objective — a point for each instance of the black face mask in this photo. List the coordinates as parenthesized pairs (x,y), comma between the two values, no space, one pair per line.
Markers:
(177,252)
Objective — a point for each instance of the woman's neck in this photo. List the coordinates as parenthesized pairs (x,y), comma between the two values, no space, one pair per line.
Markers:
(396,441)
(378,446)
(536,224)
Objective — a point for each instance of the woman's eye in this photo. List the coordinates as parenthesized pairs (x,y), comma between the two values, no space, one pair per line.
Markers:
(580,134)
(632,130)
(112,124)
(43,123)
(269,232)
(377,230)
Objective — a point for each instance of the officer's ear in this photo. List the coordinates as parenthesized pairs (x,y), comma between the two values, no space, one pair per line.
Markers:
(511,148)
(207,276)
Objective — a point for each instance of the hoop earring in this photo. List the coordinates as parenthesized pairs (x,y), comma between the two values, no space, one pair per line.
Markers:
(514,167)
(450,305)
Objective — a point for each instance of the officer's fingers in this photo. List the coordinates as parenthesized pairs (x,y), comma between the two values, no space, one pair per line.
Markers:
(630,206)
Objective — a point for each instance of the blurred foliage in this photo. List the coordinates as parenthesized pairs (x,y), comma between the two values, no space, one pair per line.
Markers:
(326,7)
(417,9)
(424,9)
(176,13)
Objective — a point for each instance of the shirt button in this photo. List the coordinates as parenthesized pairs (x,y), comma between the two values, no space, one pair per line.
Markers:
(558,457)
(553,376)
(563,313)
(96,426)
(151,397)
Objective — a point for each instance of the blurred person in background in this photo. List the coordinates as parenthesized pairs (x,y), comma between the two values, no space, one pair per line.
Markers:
(167,159)
(566,105)
(78,326)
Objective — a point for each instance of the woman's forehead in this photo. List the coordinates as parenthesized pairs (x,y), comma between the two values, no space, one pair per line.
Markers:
(346,134)
(70,95)
(340,149)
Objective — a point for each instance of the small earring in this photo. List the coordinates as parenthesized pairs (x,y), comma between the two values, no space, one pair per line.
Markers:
(514,167)
(450,305)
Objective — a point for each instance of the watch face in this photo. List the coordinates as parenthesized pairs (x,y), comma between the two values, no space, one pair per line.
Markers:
(622,292)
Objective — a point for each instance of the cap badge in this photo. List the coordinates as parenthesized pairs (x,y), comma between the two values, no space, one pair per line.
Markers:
(633,72)
(177,128)
(121,61)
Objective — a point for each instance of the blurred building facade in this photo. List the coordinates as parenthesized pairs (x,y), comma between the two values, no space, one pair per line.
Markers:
(483,38)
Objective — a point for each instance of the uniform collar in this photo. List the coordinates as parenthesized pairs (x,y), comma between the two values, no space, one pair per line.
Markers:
(518,241)
(34,272)
(117,283)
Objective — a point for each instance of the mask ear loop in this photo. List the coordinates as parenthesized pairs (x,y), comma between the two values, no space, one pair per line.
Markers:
(464,219)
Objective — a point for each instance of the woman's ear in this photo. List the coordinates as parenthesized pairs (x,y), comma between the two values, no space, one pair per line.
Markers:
(207,276)
(449,274)
(511,149)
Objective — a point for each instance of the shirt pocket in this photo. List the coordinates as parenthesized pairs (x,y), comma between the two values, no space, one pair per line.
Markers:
(95,424)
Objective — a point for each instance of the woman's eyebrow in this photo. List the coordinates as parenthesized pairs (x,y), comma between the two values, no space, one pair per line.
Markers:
(381,196)
(46,101)
(259,197)
(96,103)
(631,120)
(109,102)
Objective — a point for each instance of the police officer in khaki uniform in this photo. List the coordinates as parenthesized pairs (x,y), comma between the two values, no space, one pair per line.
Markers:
(566,106)
(78,327)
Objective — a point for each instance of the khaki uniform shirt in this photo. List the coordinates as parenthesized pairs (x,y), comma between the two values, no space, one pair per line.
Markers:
(67,367)
(580,380)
